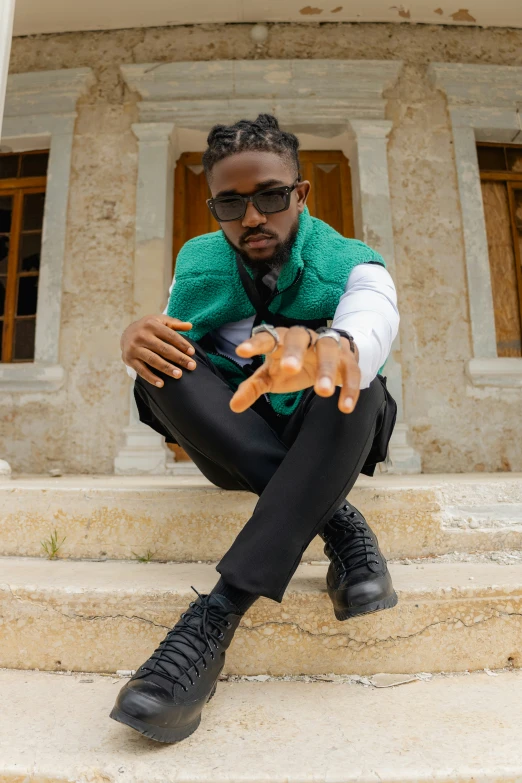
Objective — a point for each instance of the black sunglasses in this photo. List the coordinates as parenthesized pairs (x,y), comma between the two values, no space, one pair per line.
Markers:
(225,208)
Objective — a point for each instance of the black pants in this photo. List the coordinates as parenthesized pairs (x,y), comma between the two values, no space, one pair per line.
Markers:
(301,466)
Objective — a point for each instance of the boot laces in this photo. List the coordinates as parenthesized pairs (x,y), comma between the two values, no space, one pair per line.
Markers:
(350,544)
(186,645)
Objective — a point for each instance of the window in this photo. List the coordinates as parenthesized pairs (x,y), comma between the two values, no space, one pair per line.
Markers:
(501,181)
(22,198)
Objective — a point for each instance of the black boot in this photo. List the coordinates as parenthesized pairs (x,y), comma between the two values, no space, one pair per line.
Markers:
(166,696)
(358,580)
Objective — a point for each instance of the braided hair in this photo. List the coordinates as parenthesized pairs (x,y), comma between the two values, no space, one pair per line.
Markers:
(262,134)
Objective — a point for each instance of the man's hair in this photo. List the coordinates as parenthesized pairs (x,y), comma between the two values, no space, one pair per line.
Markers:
(262,134)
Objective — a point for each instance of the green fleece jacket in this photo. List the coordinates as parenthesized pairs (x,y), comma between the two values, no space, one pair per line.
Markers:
(209,293)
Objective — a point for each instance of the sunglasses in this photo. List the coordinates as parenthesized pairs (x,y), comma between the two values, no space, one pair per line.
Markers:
(226,208)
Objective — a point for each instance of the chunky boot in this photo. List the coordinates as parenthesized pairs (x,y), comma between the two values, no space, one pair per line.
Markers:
(358,580)
(166,696)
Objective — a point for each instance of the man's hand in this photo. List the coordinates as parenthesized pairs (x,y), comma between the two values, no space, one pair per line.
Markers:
(153,341)
(294,366)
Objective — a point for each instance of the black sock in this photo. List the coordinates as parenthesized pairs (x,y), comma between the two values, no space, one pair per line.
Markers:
(239,598)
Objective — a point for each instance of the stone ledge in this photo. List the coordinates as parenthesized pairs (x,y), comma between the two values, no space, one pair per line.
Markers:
(185,518)
(451,728)
(198,94)
(106,617)
(497,371)
(31,377)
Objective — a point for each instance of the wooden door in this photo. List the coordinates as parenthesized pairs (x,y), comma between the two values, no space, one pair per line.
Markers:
(330,196)
(503,215)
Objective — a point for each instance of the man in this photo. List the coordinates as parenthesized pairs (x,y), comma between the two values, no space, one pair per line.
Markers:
(243,372)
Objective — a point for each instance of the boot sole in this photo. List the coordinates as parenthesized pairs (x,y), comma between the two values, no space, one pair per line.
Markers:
(375,606)
(169,736)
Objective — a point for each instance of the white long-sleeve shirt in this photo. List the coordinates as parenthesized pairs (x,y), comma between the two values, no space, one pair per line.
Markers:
(367,309)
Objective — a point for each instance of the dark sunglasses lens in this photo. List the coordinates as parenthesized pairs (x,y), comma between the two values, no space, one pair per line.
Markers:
(229,209)
(271,201)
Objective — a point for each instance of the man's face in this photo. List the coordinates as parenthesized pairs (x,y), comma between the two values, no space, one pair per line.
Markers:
(259,238)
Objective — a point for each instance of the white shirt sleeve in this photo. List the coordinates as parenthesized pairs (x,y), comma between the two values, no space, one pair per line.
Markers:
(368,310)
(131,372)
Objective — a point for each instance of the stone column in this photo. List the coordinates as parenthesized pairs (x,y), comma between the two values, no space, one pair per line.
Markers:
(367,154)
(481,309)
(144,451)
(6,34)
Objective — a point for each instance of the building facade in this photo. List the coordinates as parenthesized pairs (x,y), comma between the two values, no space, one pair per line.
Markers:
(415,128)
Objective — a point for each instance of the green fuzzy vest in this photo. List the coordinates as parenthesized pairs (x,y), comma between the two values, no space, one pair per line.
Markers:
(208,291)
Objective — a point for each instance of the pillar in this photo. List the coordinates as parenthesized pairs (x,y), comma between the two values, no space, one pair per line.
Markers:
(367,153)
(144,451)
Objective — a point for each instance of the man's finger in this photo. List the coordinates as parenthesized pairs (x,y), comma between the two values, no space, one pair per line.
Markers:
(144,372)
(170,353)
(328,359)
(250,390)
(296,343)
(257,345)
(351,378)
(153,360)
(176,324)
(168,335)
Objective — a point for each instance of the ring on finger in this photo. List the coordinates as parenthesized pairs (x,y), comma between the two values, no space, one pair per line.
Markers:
(272,331)
(324,331)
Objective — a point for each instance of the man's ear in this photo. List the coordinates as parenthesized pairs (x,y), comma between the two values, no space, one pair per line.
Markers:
(302,190)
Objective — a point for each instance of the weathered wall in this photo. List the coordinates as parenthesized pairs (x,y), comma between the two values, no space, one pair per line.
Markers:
(456,427)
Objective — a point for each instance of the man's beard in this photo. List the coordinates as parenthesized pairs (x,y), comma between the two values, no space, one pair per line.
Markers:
(279,257)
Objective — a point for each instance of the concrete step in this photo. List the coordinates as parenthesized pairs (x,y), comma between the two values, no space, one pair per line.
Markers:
(104,617)
(186,519)
(457,729)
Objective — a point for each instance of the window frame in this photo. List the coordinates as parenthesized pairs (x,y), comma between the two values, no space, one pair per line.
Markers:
(40,112)
(17,187)
(483,103)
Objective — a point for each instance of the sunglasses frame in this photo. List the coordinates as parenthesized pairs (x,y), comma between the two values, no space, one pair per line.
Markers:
(287,189)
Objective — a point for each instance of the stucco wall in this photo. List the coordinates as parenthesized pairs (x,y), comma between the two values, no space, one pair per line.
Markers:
(456,427)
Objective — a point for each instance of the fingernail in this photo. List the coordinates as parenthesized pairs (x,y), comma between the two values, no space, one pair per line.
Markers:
(325,384)
(248,346)
(176,373)
(191,365)
(348,402)
(291,361)
(191,350)
(159,383)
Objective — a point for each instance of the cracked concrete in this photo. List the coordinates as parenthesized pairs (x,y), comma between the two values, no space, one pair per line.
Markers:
(110,616)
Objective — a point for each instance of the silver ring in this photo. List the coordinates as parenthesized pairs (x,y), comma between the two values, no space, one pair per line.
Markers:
(272,331)
(329,333)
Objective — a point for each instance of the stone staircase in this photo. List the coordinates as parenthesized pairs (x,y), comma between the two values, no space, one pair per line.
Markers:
(313,706)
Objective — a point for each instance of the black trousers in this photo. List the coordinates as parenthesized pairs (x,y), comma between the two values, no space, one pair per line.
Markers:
(301,466)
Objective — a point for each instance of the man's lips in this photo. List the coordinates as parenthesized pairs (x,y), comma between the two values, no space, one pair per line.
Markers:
(258,241)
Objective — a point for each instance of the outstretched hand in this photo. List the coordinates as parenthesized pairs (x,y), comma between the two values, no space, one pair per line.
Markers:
(295,365)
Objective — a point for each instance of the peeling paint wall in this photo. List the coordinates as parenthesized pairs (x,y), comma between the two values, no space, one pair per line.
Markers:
(455,426)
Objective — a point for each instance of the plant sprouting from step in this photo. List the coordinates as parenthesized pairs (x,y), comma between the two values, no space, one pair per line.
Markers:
(146,558)
(51,546)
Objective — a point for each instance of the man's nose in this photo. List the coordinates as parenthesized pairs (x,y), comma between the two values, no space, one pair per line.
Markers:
(253,217)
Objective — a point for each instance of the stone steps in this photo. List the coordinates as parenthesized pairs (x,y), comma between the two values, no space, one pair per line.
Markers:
(458,729)
(185,519)
(109,616)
